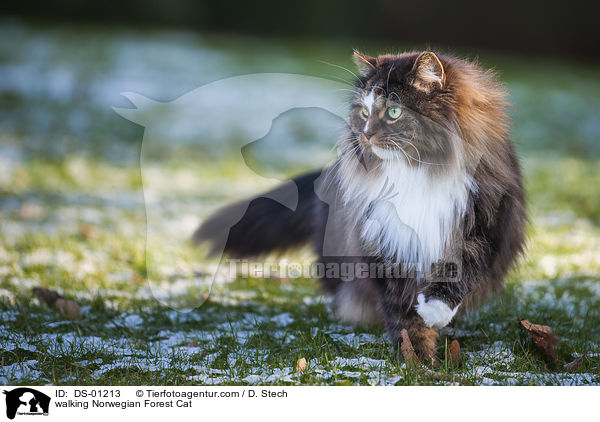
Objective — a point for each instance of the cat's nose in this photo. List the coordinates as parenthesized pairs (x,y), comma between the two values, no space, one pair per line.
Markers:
(368,134)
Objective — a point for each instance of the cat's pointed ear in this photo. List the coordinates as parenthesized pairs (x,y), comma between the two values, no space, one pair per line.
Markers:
(366,64)
(428,72)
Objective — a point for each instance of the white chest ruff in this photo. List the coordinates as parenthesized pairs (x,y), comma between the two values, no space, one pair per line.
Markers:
(411,217)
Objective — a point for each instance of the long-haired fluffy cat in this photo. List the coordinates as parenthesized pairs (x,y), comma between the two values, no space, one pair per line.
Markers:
(426,194)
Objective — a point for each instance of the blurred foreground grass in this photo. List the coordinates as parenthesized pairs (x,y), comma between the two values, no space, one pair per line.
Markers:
(74,237)
(73,219)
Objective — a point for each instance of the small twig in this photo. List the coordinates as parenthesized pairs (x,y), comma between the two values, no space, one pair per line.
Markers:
(445,377)
(576,364)
(407,349)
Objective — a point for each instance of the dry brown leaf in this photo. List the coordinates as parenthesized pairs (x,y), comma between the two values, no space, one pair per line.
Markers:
(30,211)
(47,295)
(137,279)
(301,365)
(68,308)
(407,349)
(543,338)
(21,178)
(87,231)
(576,364)
(454,352)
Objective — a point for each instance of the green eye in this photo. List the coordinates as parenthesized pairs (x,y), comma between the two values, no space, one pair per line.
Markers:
(365,113)
(394,112)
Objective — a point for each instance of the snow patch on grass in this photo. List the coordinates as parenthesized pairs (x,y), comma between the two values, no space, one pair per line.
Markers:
(16,372)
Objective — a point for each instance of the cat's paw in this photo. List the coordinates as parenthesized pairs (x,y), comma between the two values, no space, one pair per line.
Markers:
(434,312)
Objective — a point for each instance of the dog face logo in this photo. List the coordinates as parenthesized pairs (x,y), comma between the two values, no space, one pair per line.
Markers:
(259,111)
(26,401)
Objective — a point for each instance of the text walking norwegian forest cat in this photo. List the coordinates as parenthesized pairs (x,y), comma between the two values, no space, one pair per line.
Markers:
(426,181)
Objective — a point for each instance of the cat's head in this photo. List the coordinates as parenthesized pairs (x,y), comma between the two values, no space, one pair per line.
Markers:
(424,109)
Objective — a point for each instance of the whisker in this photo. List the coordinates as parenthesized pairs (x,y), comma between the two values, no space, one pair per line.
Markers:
(354,91)
(343,68)
(408,156)
(342,80)
(387,82)
(393,93)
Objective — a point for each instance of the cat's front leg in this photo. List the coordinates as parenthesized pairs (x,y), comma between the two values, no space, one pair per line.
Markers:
(398,316)
(422,337)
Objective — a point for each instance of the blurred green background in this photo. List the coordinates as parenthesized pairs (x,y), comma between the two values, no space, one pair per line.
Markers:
(63,67)
(61,76)
(58,81)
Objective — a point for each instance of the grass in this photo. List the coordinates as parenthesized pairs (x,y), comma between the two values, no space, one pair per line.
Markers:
(84,237)
(75,217)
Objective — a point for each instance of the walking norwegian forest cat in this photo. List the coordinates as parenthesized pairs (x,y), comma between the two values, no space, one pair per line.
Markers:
(426,186)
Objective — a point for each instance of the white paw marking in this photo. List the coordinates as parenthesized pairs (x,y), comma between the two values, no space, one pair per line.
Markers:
(434,312)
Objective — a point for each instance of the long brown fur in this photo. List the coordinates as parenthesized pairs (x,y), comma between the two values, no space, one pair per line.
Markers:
(461,114)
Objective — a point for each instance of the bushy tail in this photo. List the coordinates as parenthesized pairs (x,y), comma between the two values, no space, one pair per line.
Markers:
(265,225)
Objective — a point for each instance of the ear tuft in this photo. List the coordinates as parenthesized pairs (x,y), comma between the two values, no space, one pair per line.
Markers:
(428,72)
(366,64)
